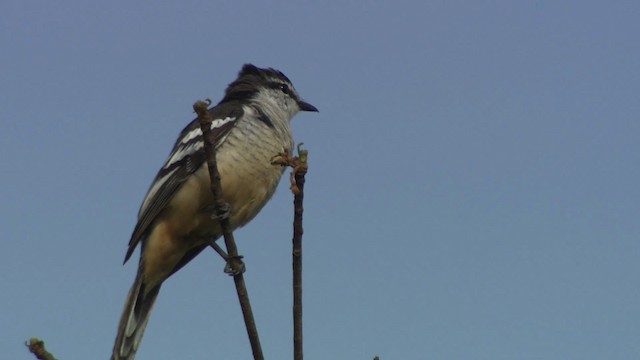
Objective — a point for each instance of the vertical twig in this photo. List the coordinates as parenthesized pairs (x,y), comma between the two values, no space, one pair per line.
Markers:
(300,167)
(297,263)
(297,268)
(221,210)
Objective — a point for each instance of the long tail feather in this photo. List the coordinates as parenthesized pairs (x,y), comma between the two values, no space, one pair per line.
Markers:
(133,320)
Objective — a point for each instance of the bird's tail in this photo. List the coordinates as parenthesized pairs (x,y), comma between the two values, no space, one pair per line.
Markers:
(134,318)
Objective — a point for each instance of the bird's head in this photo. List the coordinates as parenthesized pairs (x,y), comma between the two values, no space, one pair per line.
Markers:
(268,88)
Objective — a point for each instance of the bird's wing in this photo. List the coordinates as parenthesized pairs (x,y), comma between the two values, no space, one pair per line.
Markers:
(185,158)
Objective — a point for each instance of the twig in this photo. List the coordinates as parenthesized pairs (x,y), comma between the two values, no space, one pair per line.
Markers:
(300,167)
(36,346)
(222,210)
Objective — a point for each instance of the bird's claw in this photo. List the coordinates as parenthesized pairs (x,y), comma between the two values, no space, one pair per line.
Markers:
(223,212)
(297,163)
(235,266)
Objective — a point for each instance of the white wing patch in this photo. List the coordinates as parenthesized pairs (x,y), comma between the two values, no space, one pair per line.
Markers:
(189,149)
(188,145)
(198,132)
(183,151)
(192,134)
(153,190)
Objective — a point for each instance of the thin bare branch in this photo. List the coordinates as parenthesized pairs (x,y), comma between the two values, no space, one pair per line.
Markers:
(222,211)
(300,167)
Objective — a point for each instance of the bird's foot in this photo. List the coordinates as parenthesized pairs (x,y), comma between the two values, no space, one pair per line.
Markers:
(235,266)
(297,163)
(218,213)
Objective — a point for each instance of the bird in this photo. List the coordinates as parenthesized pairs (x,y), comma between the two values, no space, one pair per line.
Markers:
(251,124)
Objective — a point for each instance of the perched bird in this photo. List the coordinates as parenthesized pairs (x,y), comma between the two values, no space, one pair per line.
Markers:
(176,220)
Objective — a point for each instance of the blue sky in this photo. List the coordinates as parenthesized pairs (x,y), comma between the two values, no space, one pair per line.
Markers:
(473,191)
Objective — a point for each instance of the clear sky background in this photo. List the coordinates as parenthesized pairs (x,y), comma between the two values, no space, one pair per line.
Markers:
(473,191)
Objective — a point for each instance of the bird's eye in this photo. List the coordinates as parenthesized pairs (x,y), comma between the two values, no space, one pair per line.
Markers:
(285,88)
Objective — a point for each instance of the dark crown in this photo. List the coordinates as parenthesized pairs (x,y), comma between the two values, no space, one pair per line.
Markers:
(250,79)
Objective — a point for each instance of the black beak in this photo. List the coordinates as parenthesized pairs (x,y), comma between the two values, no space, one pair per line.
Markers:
(305,106)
